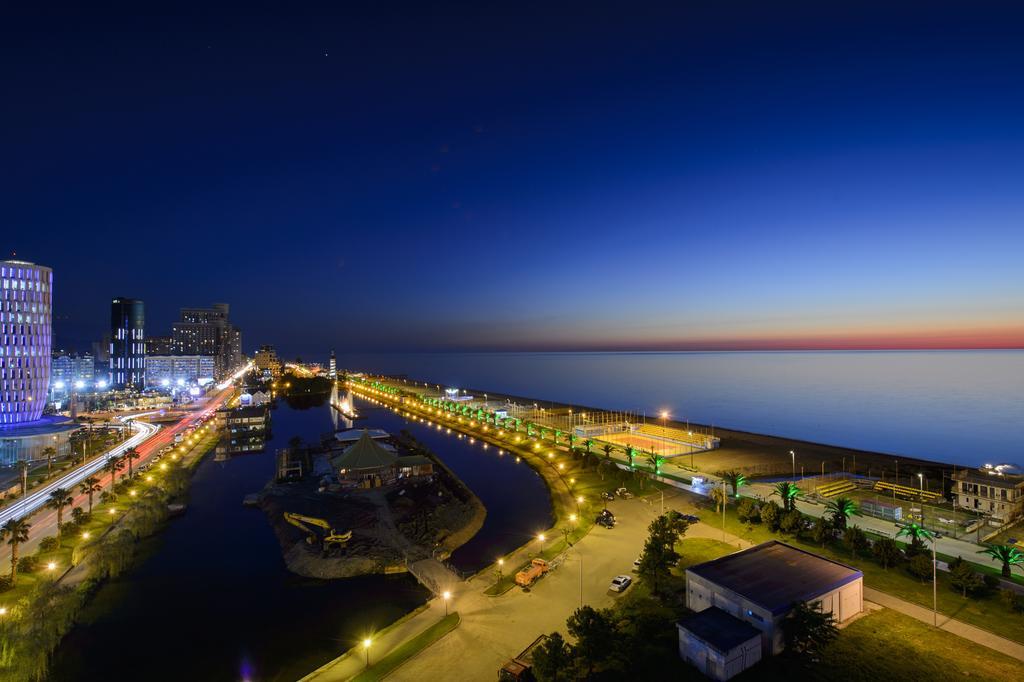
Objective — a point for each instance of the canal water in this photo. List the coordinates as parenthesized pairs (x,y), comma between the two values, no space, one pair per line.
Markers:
(213,600)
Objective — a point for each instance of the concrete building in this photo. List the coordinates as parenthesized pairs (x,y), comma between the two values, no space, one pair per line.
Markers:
(179,370)
(69,372)
(127,344)
(991,491)
(159,345)
(244,428)
(760,585)
(267,363)
(209,332)
(717,644)
(25,340)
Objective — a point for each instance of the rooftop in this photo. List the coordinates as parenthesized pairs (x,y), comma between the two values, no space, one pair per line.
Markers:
(774,575)
(365,454)
(990,477)
(719,629)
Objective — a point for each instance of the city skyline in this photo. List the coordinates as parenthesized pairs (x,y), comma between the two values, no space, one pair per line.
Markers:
(454,182)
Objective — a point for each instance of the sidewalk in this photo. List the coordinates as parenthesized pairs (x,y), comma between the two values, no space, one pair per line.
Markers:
(968,632)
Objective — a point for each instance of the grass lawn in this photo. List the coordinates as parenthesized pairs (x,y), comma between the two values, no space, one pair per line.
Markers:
(402,653)
(985,612)
(698,550)
(886,645)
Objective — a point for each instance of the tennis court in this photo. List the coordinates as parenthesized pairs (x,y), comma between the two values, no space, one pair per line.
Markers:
(658,446)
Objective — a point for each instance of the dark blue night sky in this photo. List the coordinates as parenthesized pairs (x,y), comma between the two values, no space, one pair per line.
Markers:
(390,175)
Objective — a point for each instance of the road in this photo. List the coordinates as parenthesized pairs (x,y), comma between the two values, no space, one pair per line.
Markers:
(148,441)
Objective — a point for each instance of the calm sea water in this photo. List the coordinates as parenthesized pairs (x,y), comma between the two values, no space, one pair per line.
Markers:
(952,406)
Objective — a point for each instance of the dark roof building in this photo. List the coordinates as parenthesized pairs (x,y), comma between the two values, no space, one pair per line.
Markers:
(718,644)
(761,584)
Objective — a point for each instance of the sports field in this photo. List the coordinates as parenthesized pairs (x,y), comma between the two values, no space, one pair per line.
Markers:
(658,446)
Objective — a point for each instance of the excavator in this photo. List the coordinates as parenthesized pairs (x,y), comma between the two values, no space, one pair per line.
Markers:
(330,538)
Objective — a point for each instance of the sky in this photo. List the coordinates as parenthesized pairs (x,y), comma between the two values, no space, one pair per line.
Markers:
(550,176)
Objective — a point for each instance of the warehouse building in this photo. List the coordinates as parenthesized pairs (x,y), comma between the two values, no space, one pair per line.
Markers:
(760,585)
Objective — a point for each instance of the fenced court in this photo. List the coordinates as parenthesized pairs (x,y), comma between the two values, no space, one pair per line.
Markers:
(647,443)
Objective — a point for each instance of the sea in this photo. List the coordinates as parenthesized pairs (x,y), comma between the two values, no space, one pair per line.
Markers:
(964,407)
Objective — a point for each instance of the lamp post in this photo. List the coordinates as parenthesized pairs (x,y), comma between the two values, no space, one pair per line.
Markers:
(920,483)
(501,562)
(366,646)
(792,456)
(446,595)
(935,593)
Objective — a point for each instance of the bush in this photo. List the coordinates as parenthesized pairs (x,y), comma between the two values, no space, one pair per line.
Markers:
(79,516)
(68,528)
(991,582)
(770,513)
(6,583)
(48,544)
(791,522)
(747,510)
(921,567)
(28,564)
(886,551)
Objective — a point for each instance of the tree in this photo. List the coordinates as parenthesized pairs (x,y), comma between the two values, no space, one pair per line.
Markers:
(792,522)
(49,453)
(735,479)
(917,534)
(595,635)
(747,510)
(552,660)
(886,551)
(59,498)
(822,531)
(114,464)
(655,461)
(23,471)
(855,540)
(717,496)
(840,509)
(131,454)
(770,514)
(788,492)
(807,629)
(88,487)
(1007,554)
(659,553)
(607,457)
(964,578)
(15,531)
(920,567)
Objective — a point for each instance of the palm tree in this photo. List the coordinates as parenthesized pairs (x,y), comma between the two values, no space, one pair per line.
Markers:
(114,464)
(59,498)
(130,454)
(917,534)
(655,461)
(630,454)
(717,496)
(789,492)
(1008,554)
(735,479)
(841,509)
(15,532)
(608,447)
(588,444)
(23,470)
(89,486)
(49,454)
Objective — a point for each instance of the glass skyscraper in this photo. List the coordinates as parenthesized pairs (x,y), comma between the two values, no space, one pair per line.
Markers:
(127,344)
(25,340)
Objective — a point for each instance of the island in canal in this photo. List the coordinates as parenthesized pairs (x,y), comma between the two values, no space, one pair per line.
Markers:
(365,501)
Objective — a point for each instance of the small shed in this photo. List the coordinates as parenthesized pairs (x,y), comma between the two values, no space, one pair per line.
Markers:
(719,645)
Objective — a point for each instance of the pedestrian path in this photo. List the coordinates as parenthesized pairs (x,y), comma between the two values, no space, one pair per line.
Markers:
(968,632)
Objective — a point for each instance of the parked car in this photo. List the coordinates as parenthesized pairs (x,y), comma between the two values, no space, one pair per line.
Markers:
(624,493)
(606,521)
(607,496)
(620,583)
(690,518)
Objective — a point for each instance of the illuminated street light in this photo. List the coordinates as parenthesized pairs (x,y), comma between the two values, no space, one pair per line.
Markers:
(446,595)
(51,565)
(85,535)
(366,645)
(579,500)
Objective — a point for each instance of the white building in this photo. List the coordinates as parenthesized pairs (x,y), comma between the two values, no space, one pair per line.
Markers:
(717,644)
(760,585)
(179,370)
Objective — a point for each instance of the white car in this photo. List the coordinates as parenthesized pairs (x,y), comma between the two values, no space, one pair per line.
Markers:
(620,583)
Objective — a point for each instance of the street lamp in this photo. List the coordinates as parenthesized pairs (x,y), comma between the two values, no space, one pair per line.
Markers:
(920,483)
(366,645)
(792,456)
(446,595)
(501,562)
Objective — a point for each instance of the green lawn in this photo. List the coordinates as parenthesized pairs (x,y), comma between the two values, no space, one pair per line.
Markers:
(986,612)
(380,669)
(886,645)
(698,550)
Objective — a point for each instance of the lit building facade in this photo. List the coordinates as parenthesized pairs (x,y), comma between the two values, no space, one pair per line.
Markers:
(25,340)
(68,372)
(179,370)
(127,343)
(208,332)
(267,363)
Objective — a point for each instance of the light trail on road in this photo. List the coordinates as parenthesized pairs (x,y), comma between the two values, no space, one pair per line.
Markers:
(37,499)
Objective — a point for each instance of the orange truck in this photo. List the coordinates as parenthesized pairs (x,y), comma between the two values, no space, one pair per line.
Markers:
(536,569)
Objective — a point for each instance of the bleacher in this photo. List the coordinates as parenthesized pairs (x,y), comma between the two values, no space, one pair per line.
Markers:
(843,485)
(670,433)
(907,491)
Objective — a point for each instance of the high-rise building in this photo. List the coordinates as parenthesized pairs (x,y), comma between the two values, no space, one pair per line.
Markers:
(25,340)
(267,362)
(127,344)
(208,331)
(332,367)
(179,370)
(159,345)
(70,371)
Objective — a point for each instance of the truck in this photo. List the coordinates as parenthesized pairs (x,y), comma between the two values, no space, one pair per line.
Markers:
(528,575)
(520,668)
